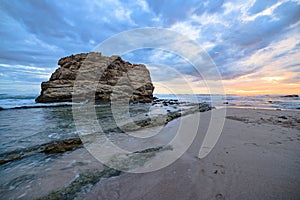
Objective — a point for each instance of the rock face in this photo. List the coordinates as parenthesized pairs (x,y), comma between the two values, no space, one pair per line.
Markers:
(93,76)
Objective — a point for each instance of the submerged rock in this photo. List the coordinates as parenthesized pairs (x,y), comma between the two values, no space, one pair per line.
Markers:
(48,148)
(83,182)
(99,77)
(62,146)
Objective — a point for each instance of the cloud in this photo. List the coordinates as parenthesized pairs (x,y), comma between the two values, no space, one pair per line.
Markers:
(187,29)
(244,38)
(163,65)
(268,11)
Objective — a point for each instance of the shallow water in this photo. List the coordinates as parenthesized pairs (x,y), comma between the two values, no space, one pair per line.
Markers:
(22,128)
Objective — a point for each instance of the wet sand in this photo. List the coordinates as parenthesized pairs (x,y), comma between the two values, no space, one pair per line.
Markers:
(256,157)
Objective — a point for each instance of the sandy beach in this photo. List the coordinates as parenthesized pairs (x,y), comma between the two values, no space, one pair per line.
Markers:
(256,157)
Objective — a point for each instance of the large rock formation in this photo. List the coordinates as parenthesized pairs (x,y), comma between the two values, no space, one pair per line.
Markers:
(93,76)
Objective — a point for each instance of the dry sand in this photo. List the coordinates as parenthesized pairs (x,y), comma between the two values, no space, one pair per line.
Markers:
(256,157)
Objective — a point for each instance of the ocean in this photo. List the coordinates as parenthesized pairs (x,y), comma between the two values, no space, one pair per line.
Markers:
(236,101)
(257,102)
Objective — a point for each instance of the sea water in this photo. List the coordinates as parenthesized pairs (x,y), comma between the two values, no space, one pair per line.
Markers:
(37,123)
(259,101)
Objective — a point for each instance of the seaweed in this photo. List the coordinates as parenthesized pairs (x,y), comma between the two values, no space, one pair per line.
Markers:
(84,180)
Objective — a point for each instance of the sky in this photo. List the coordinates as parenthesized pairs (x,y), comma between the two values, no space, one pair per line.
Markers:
(255,44)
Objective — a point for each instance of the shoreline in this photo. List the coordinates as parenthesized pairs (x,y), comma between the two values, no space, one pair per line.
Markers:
(252,159)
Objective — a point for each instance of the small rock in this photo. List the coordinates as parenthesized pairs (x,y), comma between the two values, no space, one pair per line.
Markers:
(282,117)
(220,197)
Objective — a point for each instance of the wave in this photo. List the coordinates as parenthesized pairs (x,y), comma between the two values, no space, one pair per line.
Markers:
(7,96)
(25,101)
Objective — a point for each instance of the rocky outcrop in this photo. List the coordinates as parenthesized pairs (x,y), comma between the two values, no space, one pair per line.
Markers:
(84,76)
